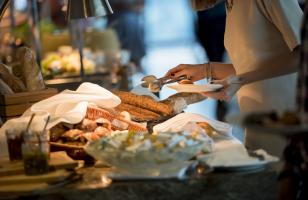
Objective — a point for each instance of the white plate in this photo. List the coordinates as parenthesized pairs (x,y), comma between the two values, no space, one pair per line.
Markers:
(195,88)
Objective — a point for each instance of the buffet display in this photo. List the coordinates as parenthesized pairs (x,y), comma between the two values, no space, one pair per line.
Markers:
(67,61)
(135,114)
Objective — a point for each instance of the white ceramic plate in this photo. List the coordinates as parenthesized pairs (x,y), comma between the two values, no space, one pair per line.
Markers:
(195,88)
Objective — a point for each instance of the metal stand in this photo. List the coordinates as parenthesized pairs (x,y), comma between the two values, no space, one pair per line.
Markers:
(34,27)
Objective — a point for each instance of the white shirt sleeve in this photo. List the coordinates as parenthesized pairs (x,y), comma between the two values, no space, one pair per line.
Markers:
(287,16)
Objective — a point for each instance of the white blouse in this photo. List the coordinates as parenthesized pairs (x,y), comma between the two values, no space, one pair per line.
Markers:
(258,33)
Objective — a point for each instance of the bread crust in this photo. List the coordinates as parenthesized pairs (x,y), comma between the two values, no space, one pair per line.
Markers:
(137,113)
(117,122)
(145,102)
(12,81)
(28,70)
(180,101)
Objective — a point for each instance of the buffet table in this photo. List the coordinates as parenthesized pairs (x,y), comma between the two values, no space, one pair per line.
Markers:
(216,185)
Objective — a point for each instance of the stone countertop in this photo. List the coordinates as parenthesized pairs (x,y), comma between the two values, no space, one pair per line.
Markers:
(216,185)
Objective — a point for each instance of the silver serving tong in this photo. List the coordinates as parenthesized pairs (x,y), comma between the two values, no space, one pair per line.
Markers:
(155,84)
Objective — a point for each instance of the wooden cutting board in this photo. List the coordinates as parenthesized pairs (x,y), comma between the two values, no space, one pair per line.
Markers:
(51,177)
(22,184)
(58,160)
(14,181)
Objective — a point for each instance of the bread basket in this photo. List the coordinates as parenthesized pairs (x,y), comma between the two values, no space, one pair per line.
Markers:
(74,151)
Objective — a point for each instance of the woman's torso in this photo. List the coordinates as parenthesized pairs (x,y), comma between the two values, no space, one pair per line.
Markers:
(253,41)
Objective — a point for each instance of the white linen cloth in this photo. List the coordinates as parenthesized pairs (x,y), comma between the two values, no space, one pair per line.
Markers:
(67,106)
(179,121)
(230,152)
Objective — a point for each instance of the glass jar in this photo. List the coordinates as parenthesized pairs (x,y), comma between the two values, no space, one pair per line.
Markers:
(14,141)
(35,153)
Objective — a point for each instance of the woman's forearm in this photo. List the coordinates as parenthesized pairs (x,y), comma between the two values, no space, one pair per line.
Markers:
(220,70)
(279,68)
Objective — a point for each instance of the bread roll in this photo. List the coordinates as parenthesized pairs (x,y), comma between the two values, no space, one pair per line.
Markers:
(12,81)
(186,81)
(28,70)
(145,102)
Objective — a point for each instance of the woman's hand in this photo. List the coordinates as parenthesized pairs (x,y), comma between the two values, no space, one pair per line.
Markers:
(230,86)
(193,72)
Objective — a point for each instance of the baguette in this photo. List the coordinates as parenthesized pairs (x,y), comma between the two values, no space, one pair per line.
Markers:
(145,102)
(137,113)
(12,81)
(4,88)
(28,70)
(179,101)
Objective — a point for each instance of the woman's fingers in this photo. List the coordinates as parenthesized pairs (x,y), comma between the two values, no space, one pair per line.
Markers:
(174,70)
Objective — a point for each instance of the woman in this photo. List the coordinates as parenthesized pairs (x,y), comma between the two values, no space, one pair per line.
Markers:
(262,40)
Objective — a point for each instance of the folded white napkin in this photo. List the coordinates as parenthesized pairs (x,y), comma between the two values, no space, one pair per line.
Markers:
(179,121)
(227,152)
(230,152)
(67,106)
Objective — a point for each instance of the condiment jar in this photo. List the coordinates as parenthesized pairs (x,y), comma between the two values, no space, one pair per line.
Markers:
(35,153)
